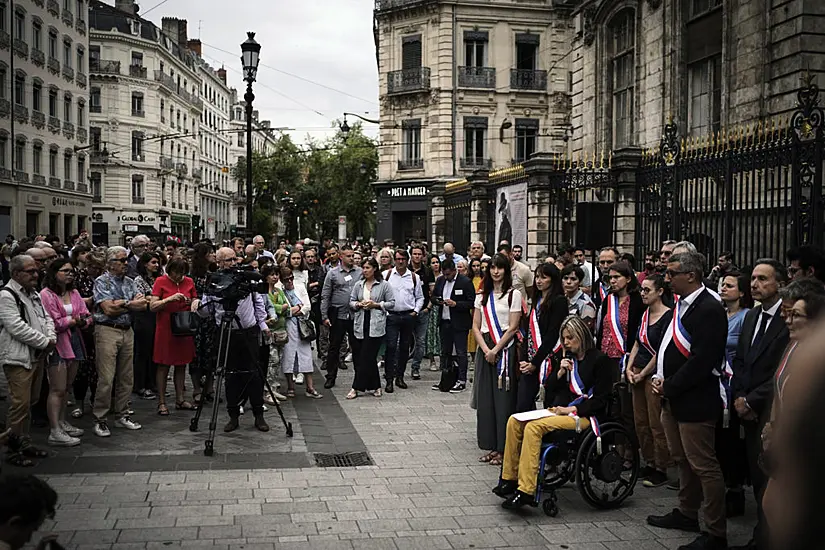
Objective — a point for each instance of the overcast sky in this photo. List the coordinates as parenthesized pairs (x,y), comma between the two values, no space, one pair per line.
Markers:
(329,42)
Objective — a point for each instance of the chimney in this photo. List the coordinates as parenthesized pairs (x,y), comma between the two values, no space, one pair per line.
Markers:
(255,115)
(175,29)
(195,46)
(222,74)
(126,5)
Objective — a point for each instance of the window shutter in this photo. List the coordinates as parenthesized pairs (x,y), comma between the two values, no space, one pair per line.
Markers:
(411,52)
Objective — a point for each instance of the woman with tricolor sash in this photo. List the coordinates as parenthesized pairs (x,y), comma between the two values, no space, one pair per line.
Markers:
(580,390)
(647,406)
(542,339)
(495,324)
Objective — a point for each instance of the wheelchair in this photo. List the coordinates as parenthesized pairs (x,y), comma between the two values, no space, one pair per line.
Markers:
(605,474)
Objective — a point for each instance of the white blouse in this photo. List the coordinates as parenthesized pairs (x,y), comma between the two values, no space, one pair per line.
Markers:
(503,309)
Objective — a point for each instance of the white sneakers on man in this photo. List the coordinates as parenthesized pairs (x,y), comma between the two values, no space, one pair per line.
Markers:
(59,438)
(128,423)
(71,430)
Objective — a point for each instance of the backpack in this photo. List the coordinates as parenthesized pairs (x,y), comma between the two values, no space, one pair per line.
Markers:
(19,302)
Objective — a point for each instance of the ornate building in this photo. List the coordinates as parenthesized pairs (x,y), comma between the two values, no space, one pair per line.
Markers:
(145,110)
(44,122)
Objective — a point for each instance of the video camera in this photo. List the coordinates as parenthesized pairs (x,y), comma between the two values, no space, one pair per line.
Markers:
(235,284)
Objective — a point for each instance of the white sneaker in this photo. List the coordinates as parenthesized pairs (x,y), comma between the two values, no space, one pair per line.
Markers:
(299,378)
(71,430)
(62,439)
(434,367)
(265,408)
(102,429)
(240,410)
(348,358)
(128,423)
(279,396)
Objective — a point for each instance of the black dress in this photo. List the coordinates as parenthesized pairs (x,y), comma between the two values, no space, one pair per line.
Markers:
(367,377)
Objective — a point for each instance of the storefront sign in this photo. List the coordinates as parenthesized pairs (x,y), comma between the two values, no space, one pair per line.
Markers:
(60,201)
(140,218)
(97,217)
(130,229)
(420,191)
(176,218)
(31,198)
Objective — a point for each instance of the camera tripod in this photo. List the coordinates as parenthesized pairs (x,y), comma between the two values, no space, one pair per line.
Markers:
(220,372)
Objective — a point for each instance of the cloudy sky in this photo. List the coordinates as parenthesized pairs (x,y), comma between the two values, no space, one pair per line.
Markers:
(327,42)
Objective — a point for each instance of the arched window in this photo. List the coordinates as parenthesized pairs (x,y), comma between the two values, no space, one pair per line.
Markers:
(621,32)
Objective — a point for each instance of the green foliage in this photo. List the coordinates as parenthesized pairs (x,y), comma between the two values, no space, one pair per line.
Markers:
(330,178)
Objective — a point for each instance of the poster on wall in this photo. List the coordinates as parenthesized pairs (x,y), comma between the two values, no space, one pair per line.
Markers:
(511,214)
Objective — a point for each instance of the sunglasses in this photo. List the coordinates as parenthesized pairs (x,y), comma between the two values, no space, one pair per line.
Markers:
(287,278)
(121,260)
(65,270)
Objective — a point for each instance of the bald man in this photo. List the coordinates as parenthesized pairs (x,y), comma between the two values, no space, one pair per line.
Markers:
(449,253)
(244,377)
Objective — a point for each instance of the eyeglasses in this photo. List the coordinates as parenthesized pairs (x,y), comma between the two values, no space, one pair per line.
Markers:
(793,271)
(792,315)
(121,260)
(32,271)
(400,259)
(607,262)
(70,270)
(672,273)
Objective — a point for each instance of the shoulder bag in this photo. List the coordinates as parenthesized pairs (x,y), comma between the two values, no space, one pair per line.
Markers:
(185,323)
(306,328)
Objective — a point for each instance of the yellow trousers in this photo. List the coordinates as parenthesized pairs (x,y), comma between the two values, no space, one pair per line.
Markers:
(522,447)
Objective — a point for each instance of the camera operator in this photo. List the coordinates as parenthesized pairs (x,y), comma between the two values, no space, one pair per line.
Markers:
(243,372)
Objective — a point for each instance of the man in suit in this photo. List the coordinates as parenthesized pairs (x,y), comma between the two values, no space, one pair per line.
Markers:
(455,295)
(762,342)
(687,378)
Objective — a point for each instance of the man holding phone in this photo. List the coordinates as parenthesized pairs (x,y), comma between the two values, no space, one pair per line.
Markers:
(455,295)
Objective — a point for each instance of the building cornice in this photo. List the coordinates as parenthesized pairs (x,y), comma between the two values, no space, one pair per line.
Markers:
(116,36)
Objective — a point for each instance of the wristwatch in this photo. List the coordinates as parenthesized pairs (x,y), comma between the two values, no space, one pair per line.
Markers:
(126,303)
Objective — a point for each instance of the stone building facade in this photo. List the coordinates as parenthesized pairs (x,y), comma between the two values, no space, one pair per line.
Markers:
(44,118)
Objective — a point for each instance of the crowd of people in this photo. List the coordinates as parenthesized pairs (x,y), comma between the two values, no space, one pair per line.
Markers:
(702,355)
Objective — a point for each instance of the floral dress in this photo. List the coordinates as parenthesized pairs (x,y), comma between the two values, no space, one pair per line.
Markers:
(85,284)
(206,338)
(434,331)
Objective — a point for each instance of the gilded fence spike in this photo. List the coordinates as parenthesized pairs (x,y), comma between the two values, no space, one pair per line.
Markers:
(601,160)
(610,160)
(594,159)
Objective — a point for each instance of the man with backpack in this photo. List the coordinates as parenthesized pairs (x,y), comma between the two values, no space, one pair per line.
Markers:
(409,301)
(26,339)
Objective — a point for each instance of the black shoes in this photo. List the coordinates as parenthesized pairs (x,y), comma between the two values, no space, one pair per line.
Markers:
(518,500)
(416,375)
(656,479)
(232,425)
(706,541)
(734,503)
(261,424)
(646,472)
(400,383)
(505,488)
(674,520)
(389,388)
(458,388)
(329,383)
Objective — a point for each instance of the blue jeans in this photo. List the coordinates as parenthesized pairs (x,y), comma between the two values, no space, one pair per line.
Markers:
(420,334)
(398,339)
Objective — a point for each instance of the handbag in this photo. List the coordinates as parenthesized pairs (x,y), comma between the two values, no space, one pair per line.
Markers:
(306,329)
(280,337)
(185,323)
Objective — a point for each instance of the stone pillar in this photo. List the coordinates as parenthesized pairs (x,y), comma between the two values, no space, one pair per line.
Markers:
(437,217)
(625,164)
(478,205)
(539,206)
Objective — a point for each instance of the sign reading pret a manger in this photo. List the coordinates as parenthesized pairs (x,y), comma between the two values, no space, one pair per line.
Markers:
(420,191)
(139,218)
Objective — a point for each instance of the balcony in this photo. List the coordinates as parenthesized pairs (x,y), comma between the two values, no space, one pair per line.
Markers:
(167,163)
(68,18)
(139,113)
(104,66)
(54,125)
(39,180)
(81,79)
(21,176)
(182,169)
(97,156)
(137,71)
(408,80)
(97,199)
(54,182)
(68,129)
(54,7)
(5,40)
(477,77)
(80,25)
(68,185)
(38,57)
(38,119)
(5,108)
(82,135)
(186,96)
(390,5)
(21,113)
(138,200)
(411,164)
(94,108)
(68,73)
(39,3)
(21,48)
(82,188)
(197,103)
(5,174)
(166,81)
(197,173)
(476,163)
(54,65)
(525,79)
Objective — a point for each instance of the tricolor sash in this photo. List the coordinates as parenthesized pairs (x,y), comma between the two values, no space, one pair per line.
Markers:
(603,290)
(496,334)
(614,325)
(644,337)
(780,382)
(578,389)
(534,343)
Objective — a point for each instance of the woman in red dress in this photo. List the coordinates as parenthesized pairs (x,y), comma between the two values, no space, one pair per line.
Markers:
(173,292)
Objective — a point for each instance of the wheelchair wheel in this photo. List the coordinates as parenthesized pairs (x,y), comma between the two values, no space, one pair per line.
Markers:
(605,480)
(550,507)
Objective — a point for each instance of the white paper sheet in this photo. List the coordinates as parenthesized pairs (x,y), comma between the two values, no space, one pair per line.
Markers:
(533,415)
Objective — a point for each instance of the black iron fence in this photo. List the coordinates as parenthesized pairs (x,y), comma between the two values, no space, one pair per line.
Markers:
(755,190)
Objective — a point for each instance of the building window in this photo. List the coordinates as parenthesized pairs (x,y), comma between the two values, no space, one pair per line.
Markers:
(623,67)
(240,139)
(53,44)
(81,113)
(162,111)
(94,56)
(475,141)
(137,146)
(3,16)
(411,52)
(67,108)
(475,48)
(137,59)
(81,169)
(20,155)
(95,138)
(703,39)
(37,97)
(526,49)
(137,104)
(20,25)
(3,81)
(137,188)
(80,60)
(411,144)
(37,35)
(37,158)
(80,10)
(20,89)
(527,132)
(67,53)
(53,162)
(67,167)
(95,182)
(701,7)
(4,145)
(94,100)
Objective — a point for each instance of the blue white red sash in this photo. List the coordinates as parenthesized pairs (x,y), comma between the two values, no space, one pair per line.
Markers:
(644,337)
(603,290)
(496,334)
(536,340)
(578,389)
(614,325)
(780,382)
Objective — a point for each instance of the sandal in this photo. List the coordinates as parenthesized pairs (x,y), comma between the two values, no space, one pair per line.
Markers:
(290,393)
(18,459)
(33,452)
(352,394)
(184,406)
(496,460)
(77,413)
(488,457)
(163,410)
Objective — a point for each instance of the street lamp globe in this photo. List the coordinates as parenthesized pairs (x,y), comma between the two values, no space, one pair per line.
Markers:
(345,127)
(250,56)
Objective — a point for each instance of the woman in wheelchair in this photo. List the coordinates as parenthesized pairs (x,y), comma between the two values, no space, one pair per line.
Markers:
(579,392)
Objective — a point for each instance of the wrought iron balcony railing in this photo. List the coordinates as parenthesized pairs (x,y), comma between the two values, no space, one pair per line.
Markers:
(81,79)
(390,5)
(54,7)
(68,73)
(83,187)
(137,113)
(68,129)
(138,200)
(38,57)
(5,40)
(5,174)
(54,65)
(182,168)
(477,77)
(408,80)
(68,18)
(82,134)
(165,80)
(522,79)
(54,182)
(39,180)
(5,108)
(197,103)
(21,176)
(38,119)
(21,48)
(104,66)
(167,163)
(476,163)
(197,173)
(97,199)
(54,125)
(21,113)
(68,185)
(137,71)
(80,25)
(411,164)
(94,108)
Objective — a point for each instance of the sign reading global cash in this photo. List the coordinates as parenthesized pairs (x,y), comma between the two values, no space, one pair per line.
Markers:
(420,191)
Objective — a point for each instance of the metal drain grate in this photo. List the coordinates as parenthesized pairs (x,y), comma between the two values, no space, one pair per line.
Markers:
(345,460)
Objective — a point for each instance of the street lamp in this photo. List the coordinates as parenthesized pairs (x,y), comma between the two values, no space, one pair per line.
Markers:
(250,51)
(345,127)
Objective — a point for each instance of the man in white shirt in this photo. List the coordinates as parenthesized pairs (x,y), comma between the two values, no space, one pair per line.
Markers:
(259,243)
(522,274)
(409,300)
(581,258)
(477,251)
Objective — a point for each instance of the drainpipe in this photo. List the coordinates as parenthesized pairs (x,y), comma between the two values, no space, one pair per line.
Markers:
(454,95)
(11,107)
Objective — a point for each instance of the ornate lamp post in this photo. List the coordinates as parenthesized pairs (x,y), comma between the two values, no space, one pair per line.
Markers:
(345,128)
(250,51)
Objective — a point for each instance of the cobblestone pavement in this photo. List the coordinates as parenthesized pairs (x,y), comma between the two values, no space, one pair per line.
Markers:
(426,490)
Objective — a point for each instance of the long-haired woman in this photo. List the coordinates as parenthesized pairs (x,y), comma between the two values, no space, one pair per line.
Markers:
(476,277)
(145,369)
(548,311)
(495,324)
(433,348)
(206,340)
(86,379)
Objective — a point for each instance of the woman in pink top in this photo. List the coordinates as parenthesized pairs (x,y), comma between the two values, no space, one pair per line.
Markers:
(68,310)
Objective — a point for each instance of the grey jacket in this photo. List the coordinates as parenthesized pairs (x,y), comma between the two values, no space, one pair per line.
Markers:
(21,340)
(381,292)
